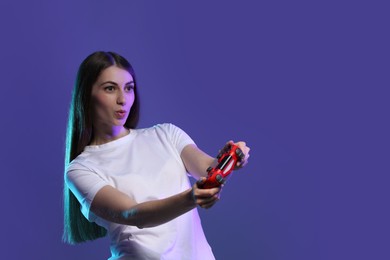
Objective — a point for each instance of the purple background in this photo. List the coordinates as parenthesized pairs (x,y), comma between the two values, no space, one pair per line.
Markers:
(304,83)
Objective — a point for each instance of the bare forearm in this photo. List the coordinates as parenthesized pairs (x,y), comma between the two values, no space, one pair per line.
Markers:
(196,161)
(157,212)
(151,213)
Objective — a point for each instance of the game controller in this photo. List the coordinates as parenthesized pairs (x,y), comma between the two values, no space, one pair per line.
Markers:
(227,160)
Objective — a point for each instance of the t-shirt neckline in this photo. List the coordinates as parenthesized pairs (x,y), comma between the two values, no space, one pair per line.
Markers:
(113,143)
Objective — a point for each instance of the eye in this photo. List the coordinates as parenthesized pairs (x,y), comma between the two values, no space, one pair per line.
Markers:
(109,88)
(129,88)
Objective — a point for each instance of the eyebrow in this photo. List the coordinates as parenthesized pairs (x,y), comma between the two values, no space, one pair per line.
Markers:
(114,83)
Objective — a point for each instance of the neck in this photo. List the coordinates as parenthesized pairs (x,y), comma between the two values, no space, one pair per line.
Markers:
(102,136)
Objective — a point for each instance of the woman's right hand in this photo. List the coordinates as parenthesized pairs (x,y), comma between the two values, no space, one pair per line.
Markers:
(205,198)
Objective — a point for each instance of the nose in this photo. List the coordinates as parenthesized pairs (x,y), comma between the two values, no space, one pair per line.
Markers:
(121,98)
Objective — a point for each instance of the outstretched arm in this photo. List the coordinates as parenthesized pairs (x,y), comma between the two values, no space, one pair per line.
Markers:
(113,205)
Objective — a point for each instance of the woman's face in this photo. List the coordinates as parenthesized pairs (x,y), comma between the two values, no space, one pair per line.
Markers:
(112,97)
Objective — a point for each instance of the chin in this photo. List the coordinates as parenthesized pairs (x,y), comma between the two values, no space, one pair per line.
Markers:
(120,123)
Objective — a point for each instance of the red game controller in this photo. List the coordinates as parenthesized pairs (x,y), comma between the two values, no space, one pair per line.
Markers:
(226,162)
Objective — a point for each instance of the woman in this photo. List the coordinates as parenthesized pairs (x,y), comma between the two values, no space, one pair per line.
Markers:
(127,182)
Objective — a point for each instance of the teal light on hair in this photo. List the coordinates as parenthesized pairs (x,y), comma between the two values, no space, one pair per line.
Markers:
(77,228)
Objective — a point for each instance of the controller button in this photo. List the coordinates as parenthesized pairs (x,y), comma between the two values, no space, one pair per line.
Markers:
(220,179)
(240,154)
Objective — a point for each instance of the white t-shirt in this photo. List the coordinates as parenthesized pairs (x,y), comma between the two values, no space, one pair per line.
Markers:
(146,165)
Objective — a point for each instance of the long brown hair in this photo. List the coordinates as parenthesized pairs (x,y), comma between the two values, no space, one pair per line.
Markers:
(79,134)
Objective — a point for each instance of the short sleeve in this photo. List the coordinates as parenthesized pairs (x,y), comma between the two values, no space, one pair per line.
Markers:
(84,184)
(178,137)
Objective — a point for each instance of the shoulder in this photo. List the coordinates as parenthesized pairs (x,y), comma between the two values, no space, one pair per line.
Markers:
(77,167)
(74,167)
(167,132)
(76,164)
(162,128)
(168,127)
(79,163)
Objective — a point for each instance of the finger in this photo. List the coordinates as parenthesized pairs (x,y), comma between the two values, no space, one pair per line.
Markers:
(241,144)
(207,203)
(207,206)
(200,182)
(203,201)
(242,163)
(207,193)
